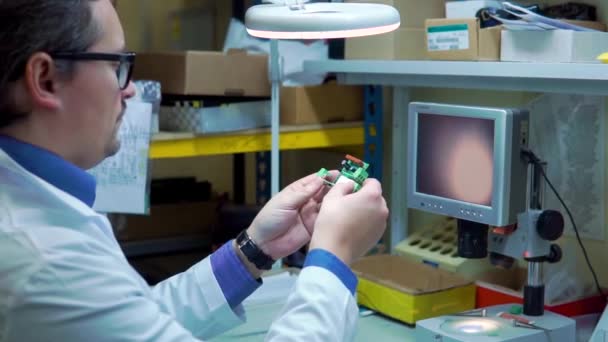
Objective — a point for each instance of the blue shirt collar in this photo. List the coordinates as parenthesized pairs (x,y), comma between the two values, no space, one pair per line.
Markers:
(52,168)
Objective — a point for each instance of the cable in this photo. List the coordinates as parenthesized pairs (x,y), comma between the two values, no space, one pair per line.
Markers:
(532,158)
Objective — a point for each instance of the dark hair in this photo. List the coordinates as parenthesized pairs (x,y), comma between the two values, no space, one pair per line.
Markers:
(30,26)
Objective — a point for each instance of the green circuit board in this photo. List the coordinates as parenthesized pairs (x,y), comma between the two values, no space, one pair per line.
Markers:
(351,168)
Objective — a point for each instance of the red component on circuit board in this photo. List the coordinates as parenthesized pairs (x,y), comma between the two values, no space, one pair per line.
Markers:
(354,160)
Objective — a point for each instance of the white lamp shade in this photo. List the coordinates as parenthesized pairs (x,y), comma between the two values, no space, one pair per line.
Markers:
(321,20)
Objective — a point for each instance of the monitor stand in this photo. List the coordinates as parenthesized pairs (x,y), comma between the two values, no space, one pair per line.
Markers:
(472,239)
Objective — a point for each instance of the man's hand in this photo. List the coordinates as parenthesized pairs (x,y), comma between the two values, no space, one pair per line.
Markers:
(286,222)
(350,224)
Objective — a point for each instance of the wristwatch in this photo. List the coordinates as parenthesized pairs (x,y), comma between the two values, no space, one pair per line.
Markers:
(253,253)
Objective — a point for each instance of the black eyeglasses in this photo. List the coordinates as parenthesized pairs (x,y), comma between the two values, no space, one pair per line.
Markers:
(123,72)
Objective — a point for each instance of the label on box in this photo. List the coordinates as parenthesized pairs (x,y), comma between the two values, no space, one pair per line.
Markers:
(449,37)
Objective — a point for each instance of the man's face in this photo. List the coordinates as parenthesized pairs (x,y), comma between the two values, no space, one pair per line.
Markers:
(92,98)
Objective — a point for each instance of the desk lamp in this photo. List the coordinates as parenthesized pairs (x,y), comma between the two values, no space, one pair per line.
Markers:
(296,19)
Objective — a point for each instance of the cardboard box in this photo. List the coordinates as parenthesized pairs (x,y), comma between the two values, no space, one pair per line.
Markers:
(371,47)
(321,104)
(594,25)
(401,44)
(413,12)
(469,8)
(462,40)
(168,220)
(409,291)
(500,286)
(410,44)
(405,43)
(553,46)
(236,73)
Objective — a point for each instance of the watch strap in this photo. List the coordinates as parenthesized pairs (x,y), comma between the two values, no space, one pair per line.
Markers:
(252,252)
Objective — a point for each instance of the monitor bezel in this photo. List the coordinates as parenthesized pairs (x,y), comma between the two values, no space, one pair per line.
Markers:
(497,214)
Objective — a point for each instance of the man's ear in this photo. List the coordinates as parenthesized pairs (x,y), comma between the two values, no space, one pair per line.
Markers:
(41,79)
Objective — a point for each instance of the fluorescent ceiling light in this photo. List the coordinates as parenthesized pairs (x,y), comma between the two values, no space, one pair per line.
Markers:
(320,20)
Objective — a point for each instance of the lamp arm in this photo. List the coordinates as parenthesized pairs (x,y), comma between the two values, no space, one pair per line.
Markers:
(286,2)
(275,78)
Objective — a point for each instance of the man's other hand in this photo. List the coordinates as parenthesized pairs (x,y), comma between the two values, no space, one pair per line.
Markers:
(286,222)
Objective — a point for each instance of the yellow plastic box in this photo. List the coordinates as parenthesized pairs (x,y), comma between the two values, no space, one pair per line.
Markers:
(408,291)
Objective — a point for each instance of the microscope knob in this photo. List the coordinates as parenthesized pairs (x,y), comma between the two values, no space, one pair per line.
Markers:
(555,255)
(550,225)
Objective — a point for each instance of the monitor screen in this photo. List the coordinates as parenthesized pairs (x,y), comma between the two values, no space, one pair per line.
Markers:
(455,158)
(464,161)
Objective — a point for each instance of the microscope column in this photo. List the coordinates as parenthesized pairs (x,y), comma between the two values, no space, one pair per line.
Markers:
(534,291)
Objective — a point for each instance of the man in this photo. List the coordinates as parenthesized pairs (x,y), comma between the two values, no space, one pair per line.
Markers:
(64,79)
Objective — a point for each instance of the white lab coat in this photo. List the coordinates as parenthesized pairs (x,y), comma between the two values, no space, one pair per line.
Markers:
(63,277)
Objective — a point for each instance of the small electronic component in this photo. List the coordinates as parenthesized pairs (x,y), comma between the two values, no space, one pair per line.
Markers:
(352,170)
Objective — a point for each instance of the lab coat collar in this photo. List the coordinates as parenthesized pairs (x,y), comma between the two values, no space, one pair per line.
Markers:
(51,168)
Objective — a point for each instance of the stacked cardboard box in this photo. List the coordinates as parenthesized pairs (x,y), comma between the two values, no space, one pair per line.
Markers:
(461,40)
(407,42)
(236,73)
(328,103)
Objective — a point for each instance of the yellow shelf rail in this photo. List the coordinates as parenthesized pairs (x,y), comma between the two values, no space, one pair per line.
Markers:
(181,145)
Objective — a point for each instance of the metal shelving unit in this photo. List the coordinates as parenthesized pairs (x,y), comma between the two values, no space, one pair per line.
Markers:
(180,145)
(563,78)
(570,78)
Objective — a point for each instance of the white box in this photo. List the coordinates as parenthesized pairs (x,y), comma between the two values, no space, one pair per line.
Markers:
(554,46)
(468,9)
(225,118)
